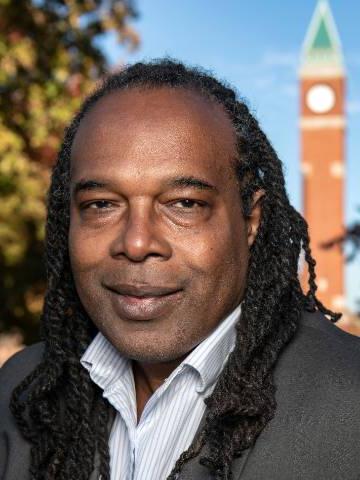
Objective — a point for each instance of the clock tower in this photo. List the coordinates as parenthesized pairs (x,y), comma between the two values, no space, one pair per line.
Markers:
(322,124)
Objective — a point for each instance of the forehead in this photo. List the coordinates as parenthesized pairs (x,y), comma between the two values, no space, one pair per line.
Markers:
(163,129)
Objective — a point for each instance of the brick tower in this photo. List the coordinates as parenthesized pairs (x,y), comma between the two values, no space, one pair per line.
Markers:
(322,124)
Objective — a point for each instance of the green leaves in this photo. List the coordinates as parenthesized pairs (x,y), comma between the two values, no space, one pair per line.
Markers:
(48,64)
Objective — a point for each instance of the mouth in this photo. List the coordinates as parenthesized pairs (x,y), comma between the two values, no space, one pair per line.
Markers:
(139,303)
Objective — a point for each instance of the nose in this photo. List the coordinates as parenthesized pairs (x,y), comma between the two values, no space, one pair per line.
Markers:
(140,235)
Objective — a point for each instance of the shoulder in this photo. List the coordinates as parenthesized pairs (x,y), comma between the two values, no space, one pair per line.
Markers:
(321,365)
(16,369)
(329,331)
(315,430)
(14,449)
(24,360)
(324,346)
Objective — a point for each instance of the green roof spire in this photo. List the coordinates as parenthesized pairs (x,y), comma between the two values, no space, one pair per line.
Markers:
(322,39)
(322,46)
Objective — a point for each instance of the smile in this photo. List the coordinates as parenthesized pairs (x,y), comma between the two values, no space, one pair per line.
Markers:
(143,303)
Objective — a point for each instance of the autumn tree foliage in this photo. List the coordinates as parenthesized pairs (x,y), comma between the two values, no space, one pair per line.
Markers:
(49,60)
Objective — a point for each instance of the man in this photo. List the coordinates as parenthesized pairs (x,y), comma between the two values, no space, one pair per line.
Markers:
(177,340)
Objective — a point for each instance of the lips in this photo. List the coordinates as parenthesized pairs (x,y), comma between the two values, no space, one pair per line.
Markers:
(145,302)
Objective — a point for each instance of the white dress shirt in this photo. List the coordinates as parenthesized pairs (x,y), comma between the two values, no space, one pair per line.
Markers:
(148,450)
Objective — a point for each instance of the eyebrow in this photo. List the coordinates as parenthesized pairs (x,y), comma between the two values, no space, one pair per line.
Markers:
(177,182)
(184,182)
(88,185)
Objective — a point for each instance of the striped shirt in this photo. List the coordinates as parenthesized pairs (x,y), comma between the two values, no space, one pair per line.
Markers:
(148,450)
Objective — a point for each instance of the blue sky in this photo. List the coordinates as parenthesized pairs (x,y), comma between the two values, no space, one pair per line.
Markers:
(256,47)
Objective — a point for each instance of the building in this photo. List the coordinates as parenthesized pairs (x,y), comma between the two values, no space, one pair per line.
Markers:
(323,126)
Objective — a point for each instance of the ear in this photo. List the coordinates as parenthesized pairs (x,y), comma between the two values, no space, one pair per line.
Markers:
(253,220)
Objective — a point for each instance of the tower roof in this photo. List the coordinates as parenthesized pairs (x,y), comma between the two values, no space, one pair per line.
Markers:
(322,52)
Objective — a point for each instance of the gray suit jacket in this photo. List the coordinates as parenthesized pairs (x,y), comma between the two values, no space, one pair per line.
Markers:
(315,434)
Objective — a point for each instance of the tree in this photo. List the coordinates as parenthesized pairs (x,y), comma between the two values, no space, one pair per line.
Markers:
(49,60)
(351,239)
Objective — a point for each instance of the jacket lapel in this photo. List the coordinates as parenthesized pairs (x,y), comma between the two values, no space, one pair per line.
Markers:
(96,472)
(192,470)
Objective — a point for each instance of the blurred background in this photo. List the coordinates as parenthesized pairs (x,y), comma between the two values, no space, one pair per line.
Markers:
(297,64)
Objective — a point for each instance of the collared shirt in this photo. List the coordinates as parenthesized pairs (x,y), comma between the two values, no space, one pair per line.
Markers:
(148,449)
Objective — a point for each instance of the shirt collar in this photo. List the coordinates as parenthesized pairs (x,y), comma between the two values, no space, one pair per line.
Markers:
(210,356)
(104,362)
(107,365)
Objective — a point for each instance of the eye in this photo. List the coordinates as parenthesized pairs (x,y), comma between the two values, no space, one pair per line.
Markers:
(97,205)
(188,204)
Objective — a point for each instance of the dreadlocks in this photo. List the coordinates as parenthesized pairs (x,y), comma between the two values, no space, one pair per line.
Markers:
(61,411)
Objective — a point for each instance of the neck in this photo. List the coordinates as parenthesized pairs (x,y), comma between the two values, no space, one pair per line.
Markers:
(149,377)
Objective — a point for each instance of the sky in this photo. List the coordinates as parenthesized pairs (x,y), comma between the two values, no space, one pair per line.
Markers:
(256,46)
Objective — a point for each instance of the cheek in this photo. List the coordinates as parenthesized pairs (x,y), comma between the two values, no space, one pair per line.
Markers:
(221,251)
(86,250)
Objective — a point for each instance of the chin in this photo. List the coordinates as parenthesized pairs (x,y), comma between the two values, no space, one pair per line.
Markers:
(152,341)
(151,352)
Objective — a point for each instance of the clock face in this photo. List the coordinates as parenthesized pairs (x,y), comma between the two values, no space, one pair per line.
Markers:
(320,98)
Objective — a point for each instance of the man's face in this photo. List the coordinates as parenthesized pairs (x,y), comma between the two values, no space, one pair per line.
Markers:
(158,243)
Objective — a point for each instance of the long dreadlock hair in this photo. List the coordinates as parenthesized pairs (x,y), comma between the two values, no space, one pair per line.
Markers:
(61,411)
